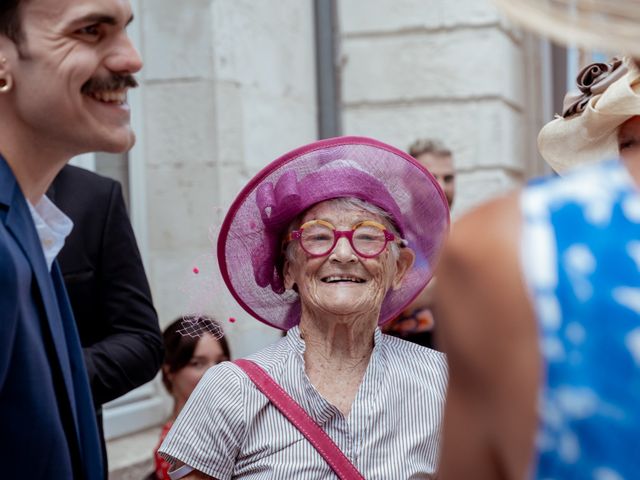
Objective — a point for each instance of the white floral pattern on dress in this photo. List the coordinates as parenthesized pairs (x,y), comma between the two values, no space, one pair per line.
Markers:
(581,260)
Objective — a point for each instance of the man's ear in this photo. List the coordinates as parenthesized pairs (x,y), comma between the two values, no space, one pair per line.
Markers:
(8,52)
(7,57)
(404,263)
(4,62)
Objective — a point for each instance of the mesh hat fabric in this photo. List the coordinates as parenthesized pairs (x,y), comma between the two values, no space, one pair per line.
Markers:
(249,245)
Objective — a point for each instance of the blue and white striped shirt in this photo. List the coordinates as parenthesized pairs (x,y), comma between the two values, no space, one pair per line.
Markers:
(229,429)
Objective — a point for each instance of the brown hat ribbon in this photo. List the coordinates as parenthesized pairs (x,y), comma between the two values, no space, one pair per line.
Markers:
(592,80)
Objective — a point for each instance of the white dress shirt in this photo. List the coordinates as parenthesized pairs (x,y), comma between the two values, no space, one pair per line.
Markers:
(52,226)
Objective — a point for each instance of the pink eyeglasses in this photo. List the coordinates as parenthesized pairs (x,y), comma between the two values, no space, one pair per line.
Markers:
(368,238)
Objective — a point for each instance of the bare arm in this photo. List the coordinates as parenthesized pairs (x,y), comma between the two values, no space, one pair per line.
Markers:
(489,335)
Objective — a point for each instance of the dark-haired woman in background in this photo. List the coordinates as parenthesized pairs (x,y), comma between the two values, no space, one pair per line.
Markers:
(186,360)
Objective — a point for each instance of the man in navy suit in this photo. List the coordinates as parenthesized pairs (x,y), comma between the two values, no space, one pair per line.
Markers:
(65,68)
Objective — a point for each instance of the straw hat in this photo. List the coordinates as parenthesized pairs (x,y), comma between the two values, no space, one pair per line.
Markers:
(608,95)
(611,25)
(250,241)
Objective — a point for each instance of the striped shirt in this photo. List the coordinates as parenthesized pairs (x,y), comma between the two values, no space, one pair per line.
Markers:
(229,429)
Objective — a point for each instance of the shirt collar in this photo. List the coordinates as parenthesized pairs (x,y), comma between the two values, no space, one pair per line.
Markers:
(52,226)
(296,341)
(315,404)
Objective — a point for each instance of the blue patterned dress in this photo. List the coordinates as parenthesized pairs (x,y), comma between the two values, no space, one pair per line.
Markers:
(581,258)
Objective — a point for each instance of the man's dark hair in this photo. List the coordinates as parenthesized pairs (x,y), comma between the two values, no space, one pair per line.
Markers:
(10,19)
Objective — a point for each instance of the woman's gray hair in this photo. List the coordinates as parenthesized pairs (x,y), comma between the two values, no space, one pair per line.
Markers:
(351,203)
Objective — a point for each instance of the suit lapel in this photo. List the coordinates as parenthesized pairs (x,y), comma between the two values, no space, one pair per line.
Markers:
(88,433)
(7,184)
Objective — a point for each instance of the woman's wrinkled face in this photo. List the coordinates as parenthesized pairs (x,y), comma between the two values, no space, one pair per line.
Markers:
(629,138)
(343,283)
(208,352)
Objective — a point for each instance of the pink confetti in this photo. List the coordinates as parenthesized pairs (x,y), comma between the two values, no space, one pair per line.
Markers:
(196,270)
(232,320)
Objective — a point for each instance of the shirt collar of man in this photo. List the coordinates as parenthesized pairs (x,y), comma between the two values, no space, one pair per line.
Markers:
(53,227)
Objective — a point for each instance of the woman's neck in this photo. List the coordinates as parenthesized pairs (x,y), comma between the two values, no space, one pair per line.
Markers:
(178,404)
(337,353)
(339,340)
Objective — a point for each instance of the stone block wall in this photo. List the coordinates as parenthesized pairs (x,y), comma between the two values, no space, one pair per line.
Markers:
(229,85)
(452,71)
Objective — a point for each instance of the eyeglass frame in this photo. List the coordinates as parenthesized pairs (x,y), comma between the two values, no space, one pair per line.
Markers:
(348,234)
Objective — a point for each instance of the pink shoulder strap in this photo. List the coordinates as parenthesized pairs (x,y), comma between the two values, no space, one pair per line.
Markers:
(325,446)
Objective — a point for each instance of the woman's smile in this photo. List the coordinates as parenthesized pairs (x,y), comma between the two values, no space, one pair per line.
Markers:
(343,279)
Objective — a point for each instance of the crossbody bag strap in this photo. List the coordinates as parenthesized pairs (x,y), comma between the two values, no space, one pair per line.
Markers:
(325,446)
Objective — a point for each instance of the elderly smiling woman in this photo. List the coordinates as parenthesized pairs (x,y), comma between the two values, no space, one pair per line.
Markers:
(328,242)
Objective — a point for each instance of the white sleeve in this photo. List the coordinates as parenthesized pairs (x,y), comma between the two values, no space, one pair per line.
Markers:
(180,472)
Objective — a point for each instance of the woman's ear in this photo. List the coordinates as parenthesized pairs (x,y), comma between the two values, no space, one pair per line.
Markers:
(168,376)
(403,264)
(289,281)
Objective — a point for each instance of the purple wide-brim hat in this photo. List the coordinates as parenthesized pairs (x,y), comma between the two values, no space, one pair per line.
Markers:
(250,242)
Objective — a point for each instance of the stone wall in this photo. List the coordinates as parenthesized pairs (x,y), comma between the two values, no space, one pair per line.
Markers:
(446,70)
(229,85)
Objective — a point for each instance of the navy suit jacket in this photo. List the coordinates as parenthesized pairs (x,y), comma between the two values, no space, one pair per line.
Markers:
(47,423)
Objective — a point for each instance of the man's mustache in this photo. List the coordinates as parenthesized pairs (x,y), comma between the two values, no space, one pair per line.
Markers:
(112,82)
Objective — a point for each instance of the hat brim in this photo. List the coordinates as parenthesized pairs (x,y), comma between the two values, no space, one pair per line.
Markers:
(610,25)
(420,202)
